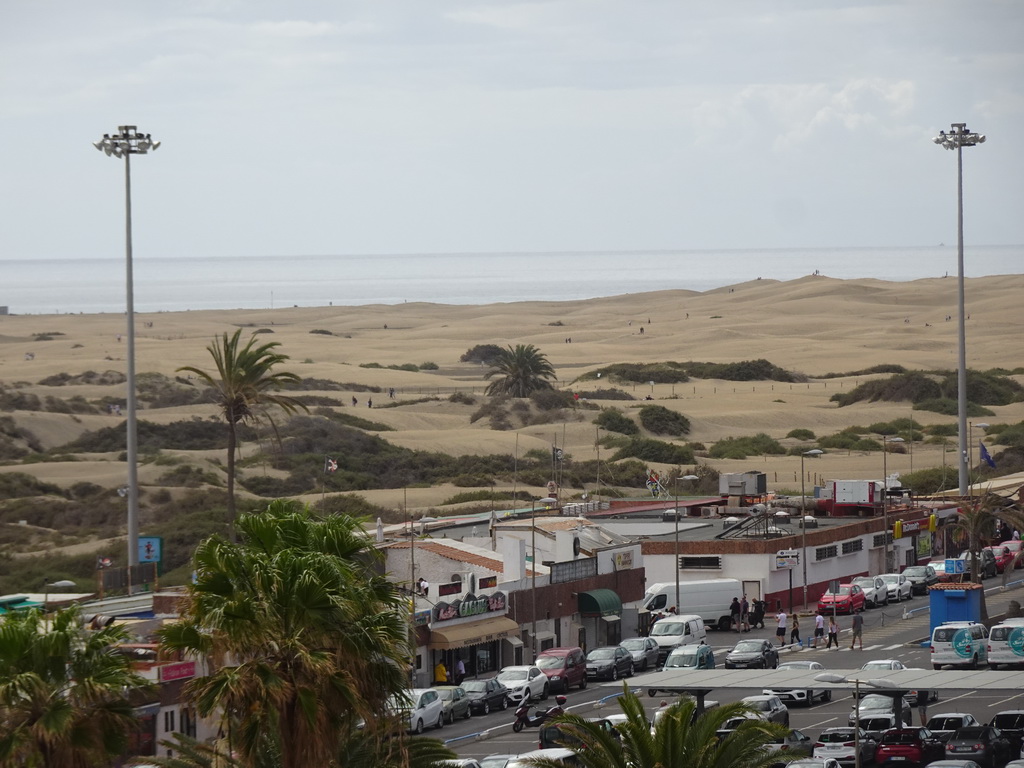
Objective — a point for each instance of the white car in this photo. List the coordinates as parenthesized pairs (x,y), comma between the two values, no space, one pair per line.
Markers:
(876,591)
(800,695)
(525,684)
(900,587)
(419,708)
(841,744)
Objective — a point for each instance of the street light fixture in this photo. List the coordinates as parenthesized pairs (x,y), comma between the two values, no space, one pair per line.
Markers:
(828,677)
(124,144)
(958,138)
(889,566)
(690,478)
(803,516)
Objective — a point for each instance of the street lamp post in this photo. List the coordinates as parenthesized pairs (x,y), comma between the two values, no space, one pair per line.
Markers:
(958,138)
(828,677)
(803,517)
(533,570)
(889,566)
(690,478)
(127,142)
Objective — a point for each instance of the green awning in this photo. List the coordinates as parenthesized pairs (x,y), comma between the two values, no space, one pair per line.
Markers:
(600,602)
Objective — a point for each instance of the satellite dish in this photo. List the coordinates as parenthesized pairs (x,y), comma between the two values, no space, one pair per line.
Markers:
(575,546)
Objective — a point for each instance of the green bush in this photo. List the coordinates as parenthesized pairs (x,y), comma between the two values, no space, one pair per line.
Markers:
(942,430)
(552,399)
(801,434)
(461,398)
(428,366)
(487,354)
(663,421)
(647,449)
(616,421)
(948,407)
(604,394)
(742,447)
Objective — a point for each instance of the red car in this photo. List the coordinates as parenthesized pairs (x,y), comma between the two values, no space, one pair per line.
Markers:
(909,745)
(1003,557)
(847,599)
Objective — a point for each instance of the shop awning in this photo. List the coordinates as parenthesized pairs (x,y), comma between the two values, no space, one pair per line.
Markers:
(474,633)
(600,602)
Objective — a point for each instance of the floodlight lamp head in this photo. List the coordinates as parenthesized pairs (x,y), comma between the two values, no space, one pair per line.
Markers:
(98,145)
(981,138)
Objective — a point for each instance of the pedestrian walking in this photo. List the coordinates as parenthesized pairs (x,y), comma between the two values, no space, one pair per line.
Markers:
(922,706)
(794,632)
(819,628)
(858,630)
(460,670)
(734,614)
(780,630)
(745,614)
(833,633)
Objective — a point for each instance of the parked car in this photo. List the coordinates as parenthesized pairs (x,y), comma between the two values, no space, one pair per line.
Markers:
(812,762)
(959,644)
(695,656)
(759,654)
(418,708)
(556,735)
(908,745)
(1011,723)
(946,724)
(921,577)
(800,695)
(939,567)
(888,665)
(876,591)
(961,764)
(1003,556)
(524,683)
(879,705)
(454,702)
(609,663)
(463,762)
(986,562)
(846,599)
(841,744)
(770,708)
(1014,545)
(983,744)
(644,651)
(559,754)
(497,761)
(899,587)
(565,667)
(790,746)
(485,695)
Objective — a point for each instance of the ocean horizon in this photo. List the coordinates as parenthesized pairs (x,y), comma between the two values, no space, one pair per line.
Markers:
(171,284)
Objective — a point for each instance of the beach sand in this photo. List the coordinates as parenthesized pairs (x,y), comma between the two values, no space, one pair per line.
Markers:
(815,325)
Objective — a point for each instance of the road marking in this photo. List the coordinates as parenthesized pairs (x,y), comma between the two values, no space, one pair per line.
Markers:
(893,647)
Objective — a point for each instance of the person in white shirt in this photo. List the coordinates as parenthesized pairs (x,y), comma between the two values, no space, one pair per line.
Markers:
(819,627)
(780,631)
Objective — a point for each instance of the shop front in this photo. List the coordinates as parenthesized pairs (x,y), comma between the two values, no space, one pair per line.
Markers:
(476,632)
(601,611)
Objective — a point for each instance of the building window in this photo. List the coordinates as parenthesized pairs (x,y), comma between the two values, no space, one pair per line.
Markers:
(188,722)
(824,553)
(881,539)
(700,563)
(856,545)
(169,721)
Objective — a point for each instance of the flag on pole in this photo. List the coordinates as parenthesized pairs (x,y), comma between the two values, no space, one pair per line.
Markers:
(986,456)
(330,465)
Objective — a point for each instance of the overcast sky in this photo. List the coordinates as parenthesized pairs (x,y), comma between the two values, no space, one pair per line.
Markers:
(413,126)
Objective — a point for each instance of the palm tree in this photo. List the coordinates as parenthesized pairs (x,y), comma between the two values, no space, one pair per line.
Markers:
(303,636)
(244,382)
(64,691)
(680,738)
(523,368)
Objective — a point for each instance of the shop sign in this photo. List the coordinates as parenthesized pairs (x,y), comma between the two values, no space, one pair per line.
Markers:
(487,582)
(421,618)
(471,605)
(623,560)
(910,527)
(924,544)
(453,588)
(180,670)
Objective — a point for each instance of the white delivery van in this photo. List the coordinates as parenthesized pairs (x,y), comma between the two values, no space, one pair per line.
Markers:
(674,631)
(710,599)
(959,644)
(1006,644)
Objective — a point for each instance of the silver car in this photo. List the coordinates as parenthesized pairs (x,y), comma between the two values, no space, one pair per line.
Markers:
(644,651)
(876,591)
(900,587)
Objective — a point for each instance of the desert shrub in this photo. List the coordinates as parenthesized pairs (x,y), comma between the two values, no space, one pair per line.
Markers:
(647,449)
(745,370)
(428,366)
(848,440)
(928,481)
(942,430)
(1012,436)
(15,485)
(663,421)
(801,434)
(462,398)
(641,373)
(489,407)
(13,400)
(470,481)
(188,476)
(500,422)
(948,407)
(259,331)
(322,332)
(616,421)
(605,394)
(742,447)
(487,354)
(550,399)
(192,435)
(915,387)
(882,368)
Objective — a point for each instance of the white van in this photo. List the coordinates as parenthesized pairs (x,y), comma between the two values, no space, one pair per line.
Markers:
(558,754)
(959,644)
(1006,644)
(709,598)
(674,631)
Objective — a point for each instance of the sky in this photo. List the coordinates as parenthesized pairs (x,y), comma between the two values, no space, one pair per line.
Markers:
(438,126)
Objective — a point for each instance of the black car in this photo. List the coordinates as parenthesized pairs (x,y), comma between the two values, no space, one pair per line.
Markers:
(983,744)
(485,695)
(1011,723)
(921,577)
(758,654)
(610,662)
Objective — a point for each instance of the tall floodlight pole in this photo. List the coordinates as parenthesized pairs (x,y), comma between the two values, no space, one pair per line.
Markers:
(958,138)
(889,566)
(127,142)
(803,516)
(689,478)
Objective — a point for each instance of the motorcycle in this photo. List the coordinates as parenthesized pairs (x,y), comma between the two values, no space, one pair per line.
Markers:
(525,720)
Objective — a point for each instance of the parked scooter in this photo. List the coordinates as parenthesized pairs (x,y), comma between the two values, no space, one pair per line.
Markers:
(524,720)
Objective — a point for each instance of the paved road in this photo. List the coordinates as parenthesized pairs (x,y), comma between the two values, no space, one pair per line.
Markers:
(886,636)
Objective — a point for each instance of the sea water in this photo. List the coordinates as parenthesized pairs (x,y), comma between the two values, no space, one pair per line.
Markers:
(182,283)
